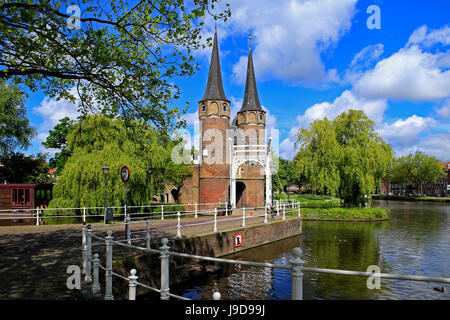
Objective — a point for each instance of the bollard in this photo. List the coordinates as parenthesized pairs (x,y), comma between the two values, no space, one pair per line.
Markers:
(265,212)
(128,229)
(88,276)
(196,210)
(162,212)
(299,215)
(108,272)
(243,217)
(226,209)
(37,216)
(148,234)
(96,283)
(164,269)
(179,226)
(215,219)
(284,211)
(297,274)
(216,295)
(132,283)
(83,248)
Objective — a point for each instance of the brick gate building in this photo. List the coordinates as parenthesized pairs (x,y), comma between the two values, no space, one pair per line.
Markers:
(210,181)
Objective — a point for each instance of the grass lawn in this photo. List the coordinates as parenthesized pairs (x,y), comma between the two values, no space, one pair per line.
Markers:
(312,200)
(345,213)
(326,207)
(410,198)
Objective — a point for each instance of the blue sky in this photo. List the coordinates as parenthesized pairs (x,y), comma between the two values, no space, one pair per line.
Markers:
(319,58)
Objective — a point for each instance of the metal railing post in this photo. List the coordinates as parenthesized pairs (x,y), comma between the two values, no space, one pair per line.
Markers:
(84,213)
(132,285)
(162,212)
(297,274)
(37,216)
(95,282)
(215,219)
(179,225)
(164,269)
(226,209)
(299,214)
(278,207)
(196,210)
(83,248)
(128,227)
(148,234)
(88,276)
(109,270)
(216,295)
(284,211)
(265,212)
(243,217)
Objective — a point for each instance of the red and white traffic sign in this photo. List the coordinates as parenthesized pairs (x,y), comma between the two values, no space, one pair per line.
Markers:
(238,240)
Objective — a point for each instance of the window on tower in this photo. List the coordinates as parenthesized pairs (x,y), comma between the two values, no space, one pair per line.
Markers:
(260,116)
(203,108)
(224,107)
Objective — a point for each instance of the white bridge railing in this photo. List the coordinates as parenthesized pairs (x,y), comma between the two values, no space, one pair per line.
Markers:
(91,262)
(84,213)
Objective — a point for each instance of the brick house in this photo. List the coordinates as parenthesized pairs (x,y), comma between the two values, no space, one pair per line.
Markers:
(437,188)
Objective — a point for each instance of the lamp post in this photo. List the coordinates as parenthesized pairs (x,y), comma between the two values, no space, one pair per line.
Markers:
(105,173)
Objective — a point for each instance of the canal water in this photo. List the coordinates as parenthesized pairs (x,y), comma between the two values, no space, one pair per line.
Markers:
(415,241)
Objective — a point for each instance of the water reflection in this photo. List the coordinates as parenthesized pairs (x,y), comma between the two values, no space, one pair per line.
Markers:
(415,241)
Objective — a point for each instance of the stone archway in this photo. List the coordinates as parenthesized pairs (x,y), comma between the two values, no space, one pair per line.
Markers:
(240,189)
(175,195)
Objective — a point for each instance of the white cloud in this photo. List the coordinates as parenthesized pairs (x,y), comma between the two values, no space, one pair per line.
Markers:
(362,61)
(374,109)
(409,74)
(367,55)
(436,145)
(403,133)
(51,111)
(444,111)
(423,37)
(289,37)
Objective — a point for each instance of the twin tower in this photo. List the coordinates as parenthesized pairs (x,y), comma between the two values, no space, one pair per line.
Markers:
(246,129)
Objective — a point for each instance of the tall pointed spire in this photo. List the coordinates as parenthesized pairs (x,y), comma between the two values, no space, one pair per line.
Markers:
(251,100)
(214,87)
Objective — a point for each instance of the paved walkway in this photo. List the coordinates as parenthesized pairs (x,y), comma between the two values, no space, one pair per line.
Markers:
(34,259)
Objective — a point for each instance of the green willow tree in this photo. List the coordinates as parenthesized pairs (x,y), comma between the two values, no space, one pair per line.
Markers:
(318,160)
(109,57)
(98,140)
(365,156)
(344,157)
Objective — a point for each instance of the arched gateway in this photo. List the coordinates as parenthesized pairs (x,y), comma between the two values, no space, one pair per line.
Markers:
(242,154)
